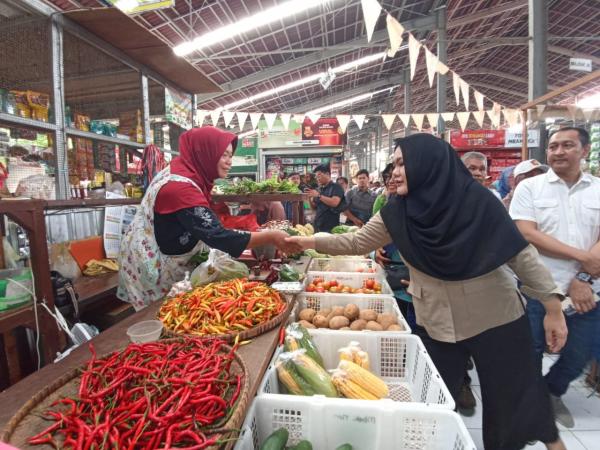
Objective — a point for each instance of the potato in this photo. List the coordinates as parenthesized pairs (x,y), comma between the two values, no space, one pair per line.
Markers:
(307,314)
(351,311)
(335,311)
(324,312)
(368,315)
(306,324)
(374,326)
(386,319)
(320,321)
(358,325)
(345,328)
(395,327)
(338,322)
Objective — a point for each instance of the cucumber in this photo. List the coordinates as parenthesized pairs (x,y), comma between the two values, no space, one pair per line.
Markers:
(344,447)
(276,440)
(302,445)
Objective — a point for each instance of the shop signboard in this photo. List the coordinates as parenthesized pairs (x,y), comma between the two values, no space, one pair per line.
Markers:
(245,157)
(278,136)
(326,131)
(514,139)
(178,108)
(477,138)
(580,64)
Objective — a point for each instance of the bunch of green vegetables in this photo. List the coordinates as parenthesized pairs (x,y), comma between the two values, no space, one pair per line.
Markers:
(270,186)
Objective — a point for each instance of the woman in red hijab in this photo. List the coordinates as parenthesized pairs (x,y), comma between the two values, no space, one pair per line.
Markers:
(175,221)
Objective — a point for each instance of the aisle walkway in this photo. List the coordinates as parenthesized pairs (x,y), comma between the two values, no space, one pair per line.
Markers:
(586,412)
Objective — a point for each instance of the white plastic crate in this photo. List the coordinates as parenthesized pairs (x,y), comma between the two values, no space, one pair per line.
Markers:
(376,302)
(400,360)
(344,265)
(354,280)
(328,423)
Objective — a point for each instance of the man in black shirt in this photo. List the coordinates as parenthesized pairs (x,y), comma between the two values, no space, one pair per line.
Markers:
(328,200)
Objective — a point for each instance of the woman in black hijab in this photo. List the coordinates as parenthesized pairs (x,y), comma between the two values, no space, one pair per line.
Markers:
(458,241)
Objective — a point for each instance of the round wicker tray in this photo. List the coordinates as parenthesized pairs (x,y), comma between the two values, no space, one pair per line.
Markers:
(28,420)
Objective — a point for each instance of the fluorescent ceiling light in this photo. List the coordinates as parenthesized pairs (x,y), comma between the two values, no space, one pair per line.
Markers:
(591,101)
(356,99)
(126,5)
(246,24)
(309,79)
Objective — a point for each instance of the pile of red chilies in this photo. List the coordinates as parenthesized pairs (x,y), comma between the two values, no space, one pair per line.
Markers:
(149,396)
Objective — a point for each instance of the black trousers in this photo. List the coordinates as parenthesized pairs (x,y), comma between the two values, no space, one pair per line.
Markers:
(516,403)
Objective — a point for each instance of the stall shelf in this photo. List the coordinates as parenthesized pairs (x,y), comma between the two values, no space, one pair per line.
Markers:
(297,199)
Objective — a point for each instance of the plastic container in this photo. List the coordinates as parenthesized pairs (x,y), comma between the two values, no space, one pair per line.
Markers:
(345,265)
(354,280)
(400,360)
(328,423)
(379,303)
(146,331)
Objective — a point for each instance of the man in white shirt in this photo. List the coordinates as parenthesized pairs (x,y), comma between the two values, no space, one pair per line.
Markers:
(559,213)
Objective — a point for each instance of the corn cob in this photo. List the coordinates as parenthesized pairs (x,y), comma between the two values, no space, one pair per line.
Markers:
(293,382)
(361,358)
(349,389)
(290,343)
(364,379)
(345,354)
(314,374)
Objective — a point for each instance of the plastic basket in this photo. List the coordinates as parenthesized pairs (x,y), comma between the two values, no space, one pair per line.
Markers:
(354,280)
(376,302)
(399,359)
(344,265)
(328,423)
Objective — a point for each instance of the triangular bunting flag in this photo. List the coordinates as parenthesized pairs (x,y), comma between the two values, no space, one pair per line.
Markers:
(497,108)
(494,117)
(255,118)
(478,100)
(512,116)
(431,61)
(448,116)
(572,111)
(313,117)
(479,117)
(395,30)
(433,119)
(359,119)
(285,119)
(298,118)
(388,119)
(405,118)
(413,53)
(270,119)
(371,10)
(214,116)
(456,86)
(442,68)
(241,117)
(343,121)
(200,116)
(588,114)
(228,116)
(464,89)
(463,119)
(418,119)
(540,110)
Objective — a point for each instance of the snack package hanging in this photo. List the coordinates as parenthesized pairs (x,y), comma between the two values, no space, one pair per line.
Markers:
(218,267)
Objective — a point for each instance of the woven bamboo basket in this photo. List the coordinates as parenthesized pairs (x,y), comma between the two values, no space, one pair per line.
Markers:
(28,420)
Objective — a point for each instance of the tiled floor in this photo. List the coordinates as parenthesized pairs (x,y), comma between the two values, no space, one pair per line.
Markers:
(585,435)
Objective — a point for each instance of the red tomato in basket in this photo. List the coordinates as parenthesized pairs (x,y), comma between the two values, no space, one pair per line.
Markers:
(310,288)
(320,289)
(333,283)
(369,284)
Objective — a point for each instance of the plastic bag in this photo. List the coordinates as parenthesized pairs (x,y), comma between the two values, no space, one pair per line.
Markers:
(63,262)
(218,267)
(41,187)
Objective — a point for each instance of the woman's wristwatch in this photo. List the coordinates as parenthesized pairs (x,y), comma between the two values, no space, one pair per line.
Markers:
(585,277)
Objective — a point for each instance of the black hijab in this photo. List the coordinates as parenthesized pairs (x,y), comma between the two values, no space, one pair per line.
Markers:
(448,225)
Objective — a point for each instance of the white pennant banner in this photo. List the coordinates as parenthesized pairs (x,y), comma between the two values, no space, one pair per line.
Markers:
(442,68)
(418,118)
(448,116)
(478,100)
(572,111)
(511,116)
(464,89)
(255,118)
(298,118)
(388,119)
(494,117)
(431,61)
(433,119)
(343,121)
(463,119)
(540,111)
(270,119)
(285,119)
(456,86)
(200,116)
(359,119)
(314,118)
(371,10)
(395,30)
(413,53)
(497,108)
(479,117)
(405,119)
(214,116)
(228,116)
(241,117)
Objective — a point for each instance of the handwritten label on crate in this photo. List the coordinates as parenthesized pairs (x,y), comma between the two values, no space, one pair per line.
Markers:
(367,420)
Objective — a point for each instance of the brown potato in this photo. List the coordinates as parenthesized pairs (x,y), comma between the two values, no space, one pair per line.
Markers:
(395,327)
(386,319)
(335,311)
(374,326)
(358,325)
(306,324)
(324,312)
(338,322)
(368,315)
(320,321)
(351,311)
(307,314)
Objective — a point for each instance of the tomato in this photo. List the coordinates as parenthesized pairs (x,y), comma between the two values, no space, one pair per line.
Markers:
(326,285)
(346,290)
(310,288)
(360,269)
(318,280)
(320,289)
(333,283)
(369,284)
(372,270)
(334,289)
(376,286)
